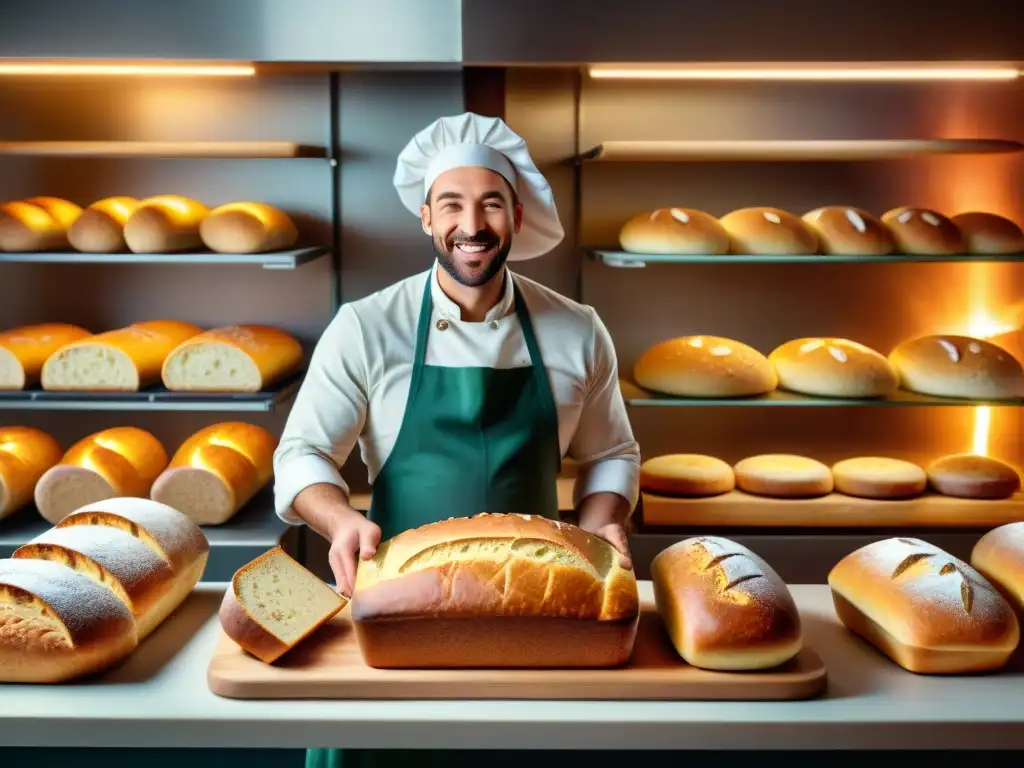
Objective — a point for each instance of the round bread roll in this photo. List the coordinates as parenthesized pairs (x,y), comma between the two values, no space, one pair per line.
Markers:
(686,474)
(872,477)
(674,230)
(957,366)
(767,231)
(100,228)
(165,224)
(705,366)
(969,476)
(833,368)
(36,224)
(246,227)
(989,233)
(846,231)
(783,475)
(921,231)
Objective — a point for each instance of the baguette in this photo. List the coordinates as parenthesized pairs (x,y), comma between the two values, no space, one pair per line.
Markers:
(246,227)
(25,454)
(100,228)
(165,224)
(999,557)
(36,224)
(23,351)
(237,358)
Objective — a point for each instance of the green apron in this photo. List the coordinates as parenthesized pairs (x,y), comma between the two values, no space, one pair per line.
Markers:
(472,440)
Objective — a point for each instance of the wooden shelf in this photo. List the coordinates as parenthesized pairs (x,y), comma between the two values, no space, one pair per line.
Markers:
(626,260)
(277,260)
(163,149)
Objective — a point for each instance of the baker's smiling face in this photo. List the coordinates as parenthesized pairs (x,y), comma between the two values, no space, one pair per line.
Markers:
(471,215)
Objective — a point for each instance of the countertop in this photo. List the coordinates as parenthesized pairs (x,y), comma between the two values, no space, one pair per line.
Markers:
(159,698)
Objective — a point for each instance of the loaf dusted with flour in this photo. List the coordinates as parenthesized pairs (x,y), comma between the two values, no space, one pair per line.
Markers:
(247,227)
(495,590)
(25,454)
(36,224)
(705,366)
(100,228)
(674,230)
(957,366)
(236,358)
(999,557)
(23,351)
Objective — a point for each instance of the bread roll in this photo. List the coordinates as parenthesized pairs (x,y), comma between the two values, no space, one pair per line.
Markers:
(999,557)
(495,591)
(925,609)
(989,233)
(124,360)
(685,474)
(873,477)
(273,604)
(24,350)
(767,231)
(674,230)
(217,471)
(36,224)
(783,475)
(923,231)
(25,454)
(165,224)
(724,607)
(122,461)
(957,366)
(833,368)
(843,230)
(237,358)
(100,228)
(248,228)
(57,625)
(705,366)
(973,477)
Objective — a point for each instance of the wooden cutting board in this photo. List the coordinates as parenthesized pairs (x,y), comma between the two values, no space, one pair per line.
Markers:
(329,666)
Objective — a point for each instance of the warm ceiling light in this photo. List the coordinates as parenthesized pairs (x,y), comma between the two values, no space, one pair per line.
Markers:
(125,68)
(834,73)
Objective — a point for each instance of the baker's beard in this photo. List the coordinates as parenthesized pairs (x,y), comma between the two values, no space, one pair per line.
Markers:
(475,276)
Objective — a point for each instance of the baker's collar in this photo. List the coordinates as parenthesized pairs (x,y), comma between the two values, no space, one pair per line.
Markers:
(451,311)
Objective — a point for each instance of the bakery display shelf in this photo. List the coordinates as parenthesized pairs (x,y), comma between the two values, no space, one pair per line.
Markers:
(791,150)
(154,399)
(246,150)
(625,260)
(277,260)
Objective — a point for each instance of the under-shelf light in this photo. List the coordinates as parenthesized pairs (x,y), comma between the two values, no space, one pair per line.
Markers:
(124,68)
(876,73)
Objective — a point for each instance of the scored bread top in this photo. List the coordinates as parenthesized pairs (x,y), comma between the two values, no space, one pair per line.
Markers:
(495,565)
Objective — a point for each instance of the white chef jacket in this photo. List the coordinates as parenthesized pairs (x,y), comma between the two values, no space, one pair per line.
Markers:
(359,376)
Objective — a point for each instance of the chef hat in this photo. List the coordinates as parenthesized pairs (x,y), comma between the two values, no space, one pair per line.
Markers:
(485,142)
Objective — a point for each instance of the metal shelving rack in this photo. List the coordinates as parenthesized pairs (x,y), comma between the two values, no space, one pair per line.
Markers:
(279,260)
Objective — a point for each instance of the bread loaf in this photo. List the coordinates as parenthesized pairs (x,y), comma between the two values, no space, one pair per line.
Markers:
(925,609)
(122,461)
(24,350)
(36,224)
(724,607)
(124,360)
(685,474)
(833,368)
(165,224)
(783,475)
(495,591)
(217,471)
(274,603)
(846,231)
(238,358)
(923,231)
(25,454)
(873,477)
(246,227)
(989,233)
(957,366)
(999,557)
(100,228)
(705,366)
(970,476)
(674,231)
(57,624)
(768,231)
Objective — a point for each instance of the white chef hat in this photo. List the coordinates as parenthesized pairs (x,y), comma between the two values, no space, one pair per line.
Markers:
(486,142)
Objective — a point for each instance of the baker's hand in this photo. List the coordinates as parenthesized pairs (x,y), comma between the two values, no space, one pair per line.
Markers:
(351,535)
(615,535)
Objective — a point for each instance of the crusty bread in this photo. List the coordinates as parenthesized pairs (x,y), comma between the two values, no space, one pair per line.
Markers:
(495,590)
(705,366)
(23,351)
(876,477)
(57,624)
(123,360)
(686,474)
(970,476)
(25,454)
(768,231)
(989,233)
(843,230)
(957,366)
(100,228)
(921,231)
(674,230)
(165,224)
(237,358)
(828,367)
(121,461)
(925,609)
(724,607)
(274,603)
(36,224)
(999,557)
(783,475)
(246,227)
(217,471)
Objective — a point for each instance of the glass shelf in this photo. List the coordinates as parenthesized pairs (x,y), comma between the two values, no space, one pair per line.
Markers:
(626,260)
(277,260)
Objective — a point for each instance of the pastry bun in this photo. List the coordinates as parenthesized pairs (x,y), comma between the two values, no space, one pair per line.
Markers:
(828,367)
(36,224)
(783,476)
(705,366)
(999,557)
(843,230)
(920,231)
(165,224)
(989,233)
(970,476)
(767,231)
(100,228)
(685,474)
(957,366)
(674,230)
(247,227)
(24,350)
(872,477)
(25,454)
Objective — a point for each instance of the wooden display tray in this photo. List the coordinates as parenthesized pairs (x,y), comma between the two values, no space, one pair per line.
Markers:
(328,665)
(743,510)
